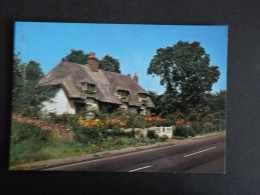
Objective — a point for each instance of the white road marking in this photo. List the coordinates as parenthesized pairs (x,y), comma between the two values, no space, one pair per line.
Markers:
(139,169)
(199,152)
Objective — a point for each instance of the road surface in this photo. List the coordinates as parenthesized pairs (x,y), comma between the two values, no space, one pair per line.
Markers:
(202,155)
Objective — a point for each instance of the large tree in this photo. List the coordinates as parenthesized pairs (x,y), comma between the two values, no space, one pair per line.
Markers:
(186,72)
(27,97)
(109,63)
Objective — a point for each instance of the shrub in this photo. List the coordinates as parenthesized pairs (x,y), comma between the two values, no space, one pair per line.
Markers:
(184,131)
(164,123)
(22,131)
(115,132)
(151,134)
(85,135)
(163,138)
(196,126)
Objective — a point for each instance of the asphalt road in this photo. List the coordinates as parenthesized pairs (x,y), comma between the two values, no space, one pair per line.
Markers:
(204,155)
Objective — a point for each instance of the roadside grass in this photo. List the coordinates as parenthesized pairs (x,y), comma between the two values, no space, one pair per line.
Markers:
(29,144)
(179,137)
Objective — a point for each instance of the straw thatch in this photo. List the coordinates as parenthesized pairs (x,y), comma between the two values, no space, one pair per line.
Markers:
(71,76)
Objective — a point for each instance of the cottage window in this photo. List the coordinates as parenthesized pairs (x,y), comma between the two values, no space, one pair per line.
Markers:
(142,95)
(92,88)
(89,87)
(123,93)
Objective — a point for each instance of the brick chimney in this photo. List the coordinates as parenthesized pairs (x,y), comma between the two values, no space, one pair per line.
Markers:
(136,78)
(93,62)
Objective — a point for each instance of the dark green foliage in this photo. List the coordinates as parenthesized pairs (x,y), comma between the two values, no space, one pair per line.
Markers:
(115,133)
(77,56)
(26,131)
(33,71)
(187,75)
(109,63)
(184,131)
(196,127)
(151,134)
(27,97)
(164,123)
(64,119)
(85,135)
(107,108)
(156,99)
(185,71)
(218,100)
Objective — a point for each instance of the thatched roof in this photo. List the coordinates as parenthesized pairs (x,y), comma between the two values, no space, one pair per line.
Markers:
(71,76)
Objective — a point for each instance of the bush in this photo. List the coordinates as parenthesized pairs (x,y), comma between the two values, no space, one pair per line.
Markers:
(164,123)
(85,135)
(184,131)
(64,119)
(115,132)
(151,134)
(22,131)
(163,138)
(196,127)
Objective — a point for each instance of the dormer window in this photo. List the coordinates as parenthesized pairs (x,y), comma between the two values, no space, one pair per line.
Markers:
(89,87)
(123,93)
(142,95)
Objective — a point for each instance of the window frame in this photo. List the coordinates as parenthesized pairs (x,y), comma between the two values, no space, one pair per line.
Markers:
(123,93)
(89,87)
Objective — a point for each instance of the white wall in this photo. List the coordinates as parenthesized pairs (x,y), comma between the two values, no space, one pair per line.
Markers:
(59,104)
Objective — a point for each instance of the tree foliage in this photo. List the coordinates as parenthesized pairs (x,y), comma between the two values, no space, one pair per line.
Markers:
(186,72)
(27,98)
(77,56)
(109,63)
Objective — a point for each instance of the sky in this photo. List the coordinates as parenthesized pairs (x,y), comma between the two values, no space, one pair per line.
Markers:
(133,45)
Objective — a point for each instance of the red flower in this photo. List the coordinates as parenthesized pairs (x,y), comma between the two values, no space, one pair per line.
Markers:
(97,146)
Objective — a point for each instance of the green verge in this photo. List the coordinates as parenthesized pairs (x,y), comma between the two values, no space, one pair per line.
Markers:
(29,144)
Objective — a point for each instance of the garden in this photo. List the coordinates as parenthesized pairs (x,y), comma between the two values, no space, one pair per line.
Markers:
(105,132)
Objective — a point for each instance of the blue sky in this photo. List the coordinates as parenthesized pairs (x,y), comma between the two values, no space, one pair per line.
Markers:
(133,45)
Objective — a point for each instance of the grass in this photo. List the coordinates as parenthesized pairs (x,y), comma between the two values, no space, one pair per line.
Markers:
(29,144)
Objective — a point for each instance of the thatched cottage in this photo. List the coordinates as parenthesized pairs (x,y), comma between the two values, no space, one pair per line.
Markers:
(86,87)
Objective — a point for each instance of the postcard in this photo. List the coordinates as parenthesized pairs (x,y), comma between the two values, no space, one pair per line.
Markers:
(119,97)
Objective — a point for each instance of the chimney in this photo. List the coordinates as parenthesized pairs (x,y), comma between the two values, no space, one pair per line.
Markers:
(93,62)
(136,78)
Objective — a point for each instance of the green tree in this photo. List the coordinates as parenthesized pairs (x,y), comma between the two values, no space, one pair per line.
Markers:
(185,71)
(27,98)
(156,99)
(109,63)
(17,76)
(218,100)
(77,56)
(33,71)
